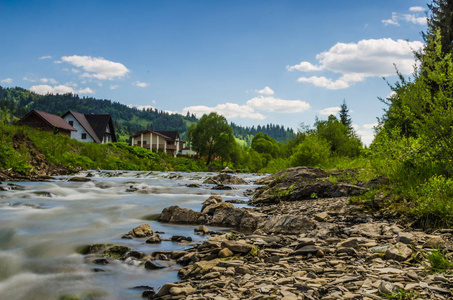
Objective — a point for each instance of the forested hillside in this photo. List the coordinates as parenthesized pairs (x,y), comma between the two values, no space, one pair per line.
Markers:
(16,102)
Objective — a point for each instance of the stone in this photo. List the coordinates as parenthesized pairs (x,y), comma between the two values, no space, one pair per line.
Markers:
(349,251)
(141,231)
(406,238)
(386,288)
(211,200)
(117,252)
(176,214)
(185,290)
(225,252)
(320,217)
(153,265)
(222,179)
(209,210)
(165,289)
(350,243)
(155,239)
(237,246)
(180,238)
(435,242)
(202,229)
(308,249)
(399,252)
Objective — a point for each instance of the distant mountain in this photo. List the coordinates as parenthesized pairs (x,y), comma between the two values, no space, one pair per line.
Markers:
(16,102)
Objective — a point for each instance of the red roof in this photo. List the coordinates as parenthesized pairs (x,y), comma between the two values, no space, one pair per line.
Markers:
(53,120)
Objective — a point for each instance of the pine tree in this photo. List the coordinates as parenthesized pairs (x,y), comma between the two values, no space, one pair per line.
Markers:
(345,119)
(441,18)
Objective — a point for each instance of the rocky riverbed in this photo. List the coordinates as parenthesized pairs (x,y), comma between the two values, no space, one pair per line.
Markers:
(298,245)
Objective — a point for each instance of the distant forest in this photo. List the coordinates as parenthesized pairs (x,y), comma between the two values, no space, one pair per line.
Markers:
(16,102)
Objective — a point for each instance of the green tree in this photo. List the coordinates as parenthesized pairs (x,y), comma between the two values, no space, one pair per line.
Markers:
(345,119)
(212,136)
(441,19)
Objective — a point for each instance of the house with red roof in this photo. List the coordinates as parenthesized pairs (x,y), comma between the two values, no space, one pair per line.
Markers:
(47,122)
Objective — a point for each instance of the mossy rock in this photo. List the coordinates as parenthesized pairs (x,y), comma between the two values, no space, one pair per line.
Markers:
(93,248)
(116,252)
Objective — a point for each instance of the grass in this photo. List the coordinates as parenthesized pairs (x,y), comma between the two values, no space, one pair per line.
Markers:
(439,261)
(400,295)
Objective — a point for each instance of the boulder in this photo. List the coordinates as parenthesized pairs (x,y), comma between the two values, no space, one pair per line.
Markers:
(237,246)
(176,214)
(399,252)
(155,239)
(225,252)
(211,200)
(435,242)
(406,238)
(141,231)
(287,224)
(224,178)
(154,265)
(202,229)
(211,208)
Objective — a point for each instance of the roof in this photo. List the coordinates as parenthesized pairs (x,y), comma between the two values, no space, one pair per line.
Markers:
(168,135)
(81,118)
(99,123)
(52,120)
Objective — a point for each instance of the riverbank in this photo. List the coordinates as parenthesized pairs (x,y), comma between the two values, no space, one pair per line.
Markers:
(308,242)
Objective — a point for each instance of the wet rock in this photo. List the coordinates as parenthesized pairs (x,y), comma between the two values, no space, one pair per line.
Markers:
(117,252)
(202,229)
(222,188)
(209,210)
(101,261)
(399,252)
(210,201)
(193,185)
(176,214)
(225,252)
(79,179)
(94,248)
(155,239)
(154,265)
(180,238)
(141,231)
(222,179)
(185,290)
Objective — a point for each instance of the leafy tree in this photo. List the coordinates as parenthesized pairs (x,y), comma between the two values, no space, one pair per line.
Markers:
(441,19)
(312,151)
(212,136)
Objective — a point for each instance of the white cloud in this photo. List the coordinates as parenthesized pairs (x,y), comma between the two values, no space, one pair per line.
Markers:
(70,83)
(47,89)
(329,111)
(357,61)
(114,86)
(85,91)
(228,110)
(410,18)
(97,67)
(48,80)
(46,57)
(140,84)
(266,91)
(44,89)
(6,80)
(272,104)
(28,79)
(417,9)
(304,66)
(415,19)
(75,70)
(370,126)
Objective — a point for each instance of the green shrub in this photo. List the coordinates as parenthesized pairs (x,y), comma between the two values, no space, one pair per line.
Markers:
(439,261)
(312,151)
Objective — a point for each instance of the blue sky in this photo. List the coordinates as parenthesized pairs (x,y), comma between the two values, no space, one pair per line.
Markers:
(255,62)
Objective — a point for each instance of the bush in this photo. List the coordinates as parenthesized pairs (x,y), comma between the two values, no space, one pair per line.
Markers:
(312,151)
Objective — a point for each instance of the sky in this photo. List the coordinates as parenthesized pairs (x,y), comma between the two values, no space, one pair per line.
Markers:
(255,62)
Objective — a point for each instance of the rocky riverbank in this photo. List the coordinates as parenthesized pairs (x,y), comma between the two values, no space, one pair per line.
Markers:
(299,245)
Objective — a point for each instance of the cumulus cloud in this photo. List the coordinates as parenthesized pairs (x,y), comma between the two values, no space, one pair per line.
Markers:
(329,111)
(272,104)
(228,110)
(266,91)
(357,61)
(304,66)
(28,79)
(370,126)
(46,57)
(48,80)
(97,67)
(140,84)
(417,9)
(114,86)
(6,80)
(44,89)
(413,18)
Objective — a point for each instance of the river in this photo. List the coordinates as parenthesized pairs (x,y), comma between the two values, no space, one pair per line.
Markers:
(43,225)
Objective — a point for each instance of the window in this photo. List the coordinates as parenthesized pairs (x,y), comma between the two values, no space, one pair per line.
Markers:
(144,142)
(84,136)
(71,123)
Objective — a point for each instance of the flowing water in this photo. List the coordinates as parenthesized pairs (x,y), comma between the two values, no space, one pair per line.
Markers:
(43,225)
